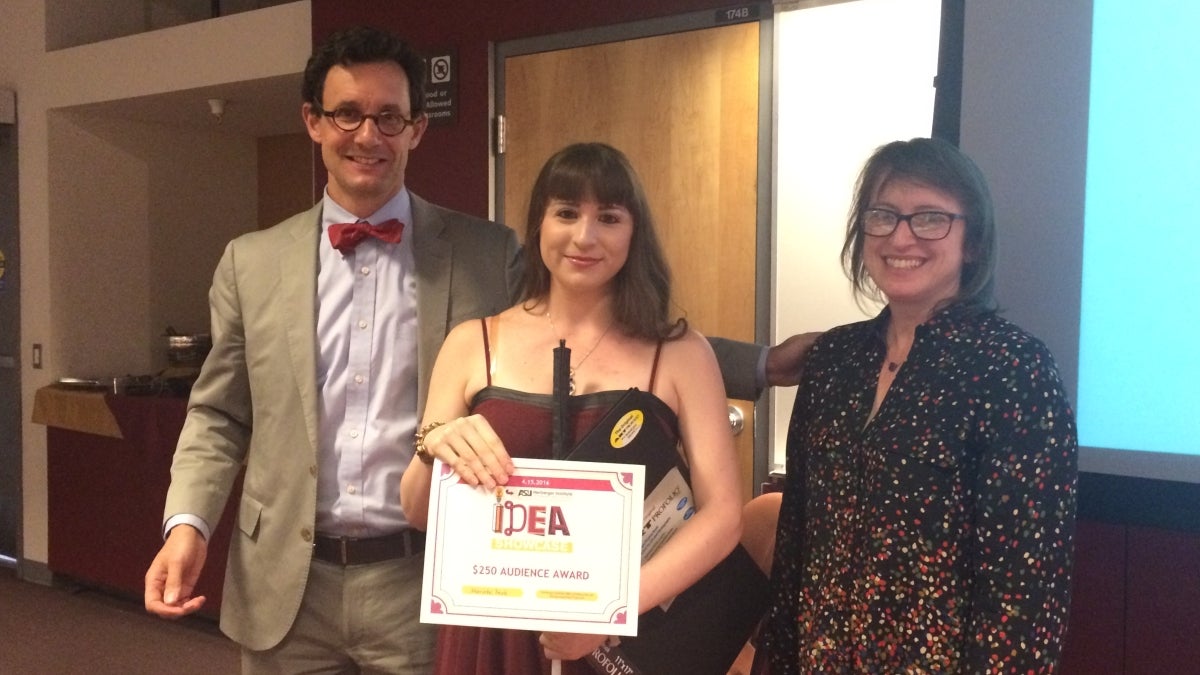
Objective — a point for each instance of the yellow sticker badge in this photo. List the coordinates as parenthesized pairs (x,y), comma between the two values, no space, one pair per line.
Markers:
(627,428)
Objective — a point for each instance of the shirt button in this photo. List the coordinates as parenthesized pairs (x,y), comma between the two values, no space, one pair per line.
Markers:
(362,324)
(366,271)
(354,433)
(312,470)
(352,490)
(358,379)
(306,534)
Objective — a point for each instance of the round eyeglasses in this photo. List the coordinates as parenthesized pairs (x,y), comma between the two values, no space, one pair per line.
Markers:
(350,119)
(927,225)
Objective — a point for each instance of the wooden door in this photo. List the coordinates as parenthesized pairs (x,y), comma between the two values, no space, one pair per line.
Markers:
(684,108)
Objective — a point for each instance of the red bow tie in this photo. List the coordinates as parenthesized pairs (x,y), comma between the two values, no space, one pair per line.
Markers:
(345,236)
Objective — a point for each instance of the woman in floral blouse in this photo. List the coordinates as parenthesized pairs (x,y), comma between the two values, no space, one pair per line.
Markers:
(929,509)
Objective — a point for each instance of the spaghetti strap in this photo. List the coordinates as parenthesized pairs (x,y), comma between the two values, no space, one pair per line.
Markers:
(487,350)
(654,367)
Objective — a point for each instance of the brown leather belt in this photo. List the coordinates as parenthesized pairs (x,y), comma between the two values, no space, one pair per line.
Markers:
(350,551)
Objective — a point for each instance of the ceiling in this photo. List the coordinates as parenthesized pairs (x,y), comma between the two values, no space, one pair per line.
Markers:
(266,107)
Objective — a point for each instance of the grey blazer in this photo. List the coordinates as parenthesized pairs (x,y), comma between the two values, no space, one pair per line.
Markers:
(255,401)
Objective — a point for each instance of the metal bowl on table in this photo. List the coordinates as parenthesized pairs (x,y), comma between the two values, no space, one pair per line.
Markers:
(187,351)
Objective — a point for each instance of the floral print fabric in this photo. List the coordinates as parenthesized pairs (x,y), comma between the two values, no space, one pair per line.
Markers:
(936,537)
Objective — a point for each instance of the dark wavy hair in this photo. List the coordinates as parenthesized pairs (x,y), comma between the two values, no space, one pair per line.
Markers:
(364,44)
(936,164)
(642,288)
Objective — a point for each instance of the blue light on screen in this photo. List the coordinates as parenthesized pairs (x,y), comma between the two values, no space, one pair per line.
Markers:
(1139,361)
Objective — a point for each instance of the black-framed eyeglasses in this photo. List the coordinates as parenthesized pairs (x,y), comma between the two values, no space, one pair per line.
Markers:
(927,225)
(350,119)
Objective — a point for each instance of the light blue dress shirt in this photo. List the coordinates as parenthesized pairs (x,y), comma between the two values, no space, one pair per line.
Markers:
(366,375)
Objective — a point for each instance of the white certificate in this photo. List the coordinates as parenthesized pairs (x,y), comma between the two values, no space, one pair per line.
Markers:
(557,549)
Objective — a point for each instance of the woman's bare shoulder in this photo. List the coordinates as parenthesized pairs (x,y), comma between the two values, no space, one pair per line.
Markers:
(692,344)
(689,360)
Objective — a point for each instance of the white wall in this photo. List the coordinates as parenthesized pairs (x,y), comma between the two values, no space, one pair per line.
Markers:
(843,88)
(133,168)
(125,269)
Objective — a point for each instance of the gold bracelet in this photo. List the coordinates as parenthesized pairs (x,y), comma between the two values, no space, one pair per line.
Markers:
(423,453)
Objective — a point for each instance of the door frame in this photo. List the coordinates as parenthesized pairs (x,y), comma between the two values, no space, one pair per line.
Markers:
(12,449)
(761,13)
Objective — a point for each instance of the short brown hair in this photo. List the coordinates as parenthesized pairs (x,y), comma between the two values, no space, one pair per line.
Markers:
(937,164)
(364,44)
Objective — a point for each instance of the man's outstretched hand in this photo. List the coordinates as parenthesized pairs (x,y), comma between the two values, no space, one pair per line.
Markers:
(173,574)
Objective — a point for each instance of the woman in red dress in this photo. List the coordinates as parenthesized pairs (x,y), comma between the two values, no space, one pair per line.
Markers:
(597,278)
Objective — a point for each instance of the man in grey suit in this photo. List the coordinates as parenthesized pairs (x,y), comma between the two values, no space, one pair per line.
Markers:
(325,328)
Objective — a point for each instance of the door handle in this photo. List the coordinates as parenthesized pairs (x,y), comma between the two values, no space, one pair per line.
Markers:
(737,421)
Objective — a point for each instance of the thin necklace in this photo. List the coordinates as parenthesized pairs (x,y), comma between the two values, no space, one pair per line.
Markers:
(892,366)
(571,370)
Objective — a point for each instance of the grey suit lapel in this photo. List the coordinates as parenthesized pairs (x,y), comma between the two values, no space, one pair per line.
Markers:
(434,262)
(297,309)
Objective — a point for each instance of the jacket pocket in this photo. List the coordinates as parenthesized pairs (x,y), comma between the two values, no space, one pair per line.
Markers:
(249,515)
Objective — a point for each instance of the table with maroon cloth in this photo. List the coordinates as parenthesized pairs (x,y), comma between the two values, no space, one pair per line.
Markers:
(108,468)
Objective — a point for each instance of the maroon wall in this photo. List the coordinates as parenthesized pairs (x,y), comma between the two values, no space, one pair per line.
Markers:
(451,165)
